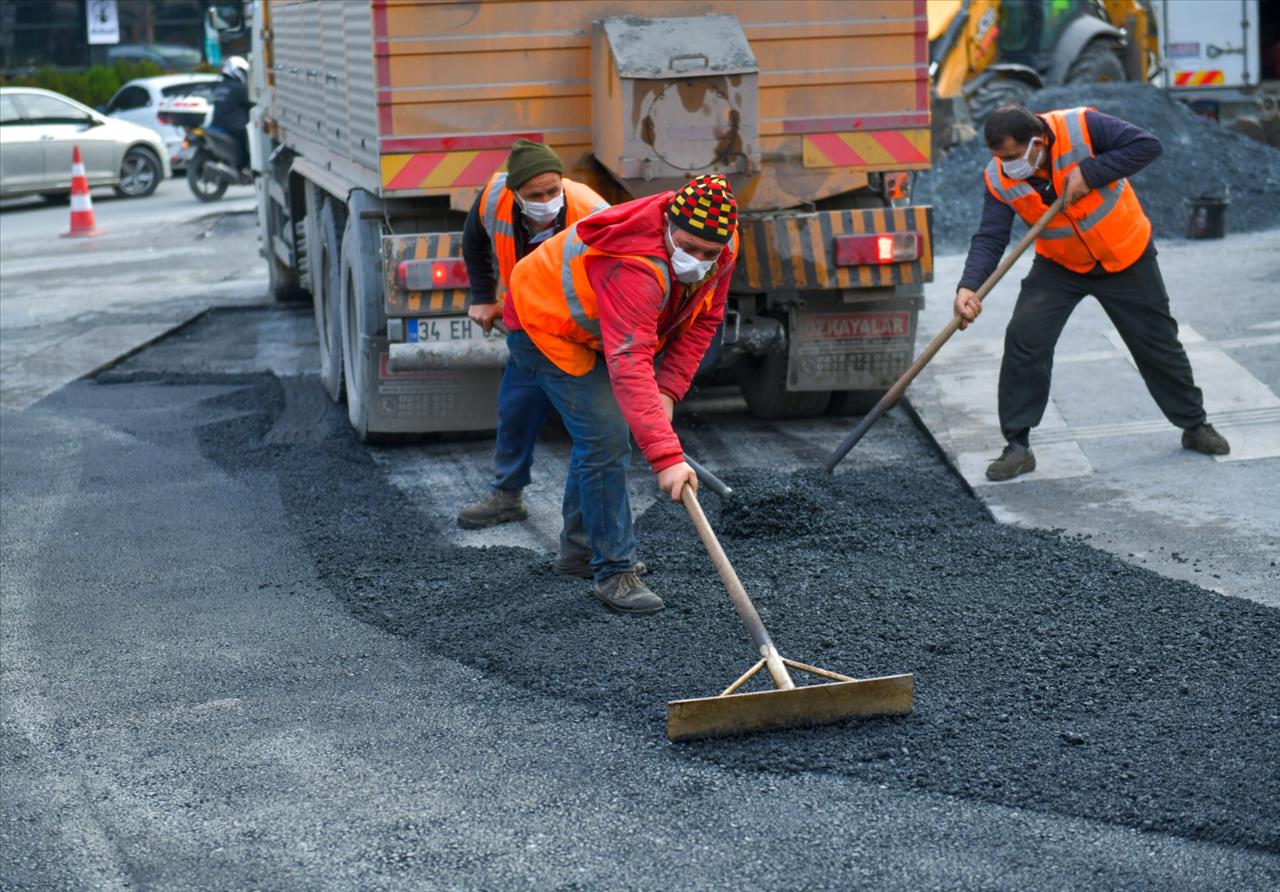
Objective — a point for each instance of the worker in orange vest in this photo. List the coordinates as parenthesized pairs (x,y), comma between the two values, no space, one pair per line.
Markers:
(1100,244)
(588,314)
(518,210)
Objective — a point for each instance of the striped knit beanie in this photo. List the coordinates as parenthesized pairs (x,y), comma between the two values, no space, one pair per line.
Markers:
(706,208)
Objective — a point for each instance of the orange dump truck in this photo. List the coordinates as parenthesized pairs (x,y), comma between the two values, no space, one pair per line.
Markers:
(379,120)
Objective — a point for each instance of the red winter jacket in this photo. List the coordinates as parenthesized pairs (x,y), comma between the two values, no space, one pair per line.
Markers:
(632,313)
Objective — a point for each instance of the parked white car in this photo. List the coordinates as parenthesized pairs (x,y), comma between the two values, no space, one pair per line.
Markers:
(39,128)
(139,101)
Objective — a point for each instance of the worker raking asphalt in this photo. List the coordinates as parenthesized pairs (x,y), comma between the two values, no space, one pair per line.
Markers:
(1049,675)
(1200,158)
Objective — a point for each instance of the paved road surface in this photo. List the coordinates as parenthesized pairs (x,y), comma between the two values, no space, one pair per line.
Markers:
(1109,465)
(71,306)
(186,701)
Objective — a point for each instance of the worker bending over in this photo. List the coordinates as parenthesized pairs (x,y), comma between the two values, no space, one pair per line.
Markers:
(1100,244)
(515,213)
(588,314)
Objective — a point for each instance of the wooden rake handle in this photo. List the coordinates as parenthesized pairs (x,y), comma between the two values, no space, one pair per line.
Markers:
(741,602)
(899,386)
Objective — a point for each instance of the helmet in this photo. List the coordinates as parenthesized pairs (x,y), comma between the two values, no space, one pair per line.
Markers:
(236,67)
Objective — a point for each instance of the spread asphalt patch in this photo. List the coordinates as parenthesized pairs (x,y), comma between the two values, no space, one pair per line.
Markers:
(1049,675)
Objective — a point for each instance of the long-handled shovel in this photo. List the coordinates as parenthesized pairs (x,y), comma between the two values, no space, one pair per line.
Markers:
(896,391)
(787,706)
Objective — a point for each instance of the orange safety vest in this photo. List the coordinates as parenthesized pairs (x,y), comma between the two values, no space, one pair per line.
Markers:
(1106,226)
(497,210)
(560,311)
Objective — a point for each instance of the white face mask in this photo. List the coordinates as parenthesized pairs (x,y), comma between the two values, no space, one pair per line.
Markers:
(1021,168)
(688,268)
(541,212)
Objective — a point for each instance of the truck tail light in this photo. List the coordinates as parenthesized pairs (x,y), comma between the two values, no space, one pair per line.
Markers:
(888,247)
(432,274)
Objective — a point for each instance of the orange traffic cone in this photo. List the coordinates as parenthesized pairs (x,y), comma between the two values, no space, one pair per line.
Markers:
(82,224)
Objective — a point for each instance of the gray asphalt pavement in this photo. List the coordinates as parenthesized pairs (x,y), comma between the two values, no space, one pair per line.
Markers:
(71,306)
(187,704)
(196,693)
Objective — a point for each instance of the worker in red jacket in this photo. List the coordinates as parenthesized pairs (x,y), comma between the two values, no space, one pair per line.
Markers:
(588,314)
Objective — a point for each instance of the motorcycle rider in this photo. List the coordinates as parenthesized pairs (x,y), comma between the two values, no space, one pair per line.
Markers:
(231,106)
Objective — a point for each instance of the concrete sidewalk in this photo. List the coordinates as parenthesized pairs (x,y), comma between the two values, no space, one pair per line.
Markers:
(1109,466)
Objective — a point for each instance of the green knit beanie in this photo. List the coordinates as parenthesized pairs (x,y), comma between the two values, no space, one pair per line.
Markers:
(527,160)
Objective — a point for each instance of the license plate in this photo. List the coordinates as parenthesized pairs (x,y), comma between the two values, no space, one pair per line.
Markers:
(448,328)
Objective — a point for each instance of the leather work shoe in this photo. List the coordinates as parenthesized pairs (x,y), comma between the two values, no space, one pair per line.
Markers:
(1203,438)
(1016,459)
(625,593)
(500,506)
(580,568)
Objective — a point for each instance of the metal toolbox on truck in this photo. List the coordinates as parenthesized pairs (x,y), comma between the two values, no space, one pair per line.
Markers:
(672,98)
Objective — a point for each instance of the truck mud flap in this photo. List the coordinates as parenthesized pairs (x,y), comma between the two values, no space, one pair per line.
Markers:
(428,401)
(797,252)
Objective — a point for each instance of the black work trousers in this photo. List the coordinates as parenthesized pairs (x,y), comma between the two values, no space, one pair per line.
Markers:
(1137,304)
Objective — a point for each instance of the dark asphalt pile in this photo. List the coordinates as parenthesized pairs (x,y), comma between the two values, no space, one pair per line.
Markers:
(1049,675)
(1200,158)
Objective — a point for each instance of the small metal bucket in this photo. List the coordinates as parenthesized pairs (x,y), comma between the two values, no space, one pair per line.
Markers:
(1206,217)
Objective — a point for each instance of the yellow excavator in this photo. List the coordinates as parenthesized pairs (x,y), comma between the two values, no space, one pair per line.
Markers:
(987,53)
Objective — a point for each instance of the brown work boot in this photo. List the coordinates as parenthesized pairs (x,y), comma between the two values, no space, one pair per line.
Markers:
(500,506)
(1203,438)
(580,567)
(1016,459)
(625,593)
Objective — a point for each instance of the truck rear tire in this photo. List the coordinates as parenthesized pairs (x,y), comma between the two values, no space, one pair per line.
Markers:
(1098,62)
(763,382)
(360,303)
(324,261)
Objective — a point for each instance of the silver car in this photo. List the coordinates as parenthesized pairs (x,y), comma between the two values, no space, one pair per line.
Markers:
(139,102)
(39,128)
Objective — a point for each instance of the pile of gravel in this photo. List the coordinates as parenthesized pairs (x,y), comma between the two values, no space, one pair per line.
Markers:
(1200,159)
(1049,675)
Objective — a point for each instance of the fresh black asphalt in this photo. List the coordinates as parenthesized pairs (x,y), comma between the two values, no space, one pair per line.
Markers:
(236,655)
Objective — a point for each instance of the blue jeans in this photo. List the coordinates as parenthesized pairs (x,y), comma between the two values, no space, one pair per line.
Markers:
(596,508)
(522,408)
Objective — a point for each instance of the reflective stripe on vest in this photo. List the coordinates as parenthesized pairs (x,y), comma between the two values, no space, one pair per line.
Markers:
(502,235)
(574,248)
(1110,198)
(1079,145)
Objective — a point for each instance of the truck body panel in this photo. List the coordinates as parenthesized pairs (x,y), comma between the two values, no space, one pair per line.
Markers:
(815,109)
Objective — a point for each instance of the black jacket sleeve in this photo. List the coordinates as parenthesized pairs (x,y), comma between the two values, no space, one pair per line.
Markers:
(477,253)
(988,243)
(1119,149)
(230,105)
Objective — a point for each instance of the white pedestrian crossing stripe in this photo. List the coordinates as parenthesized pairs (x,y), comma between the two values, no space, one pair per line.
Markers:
(1240,407)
